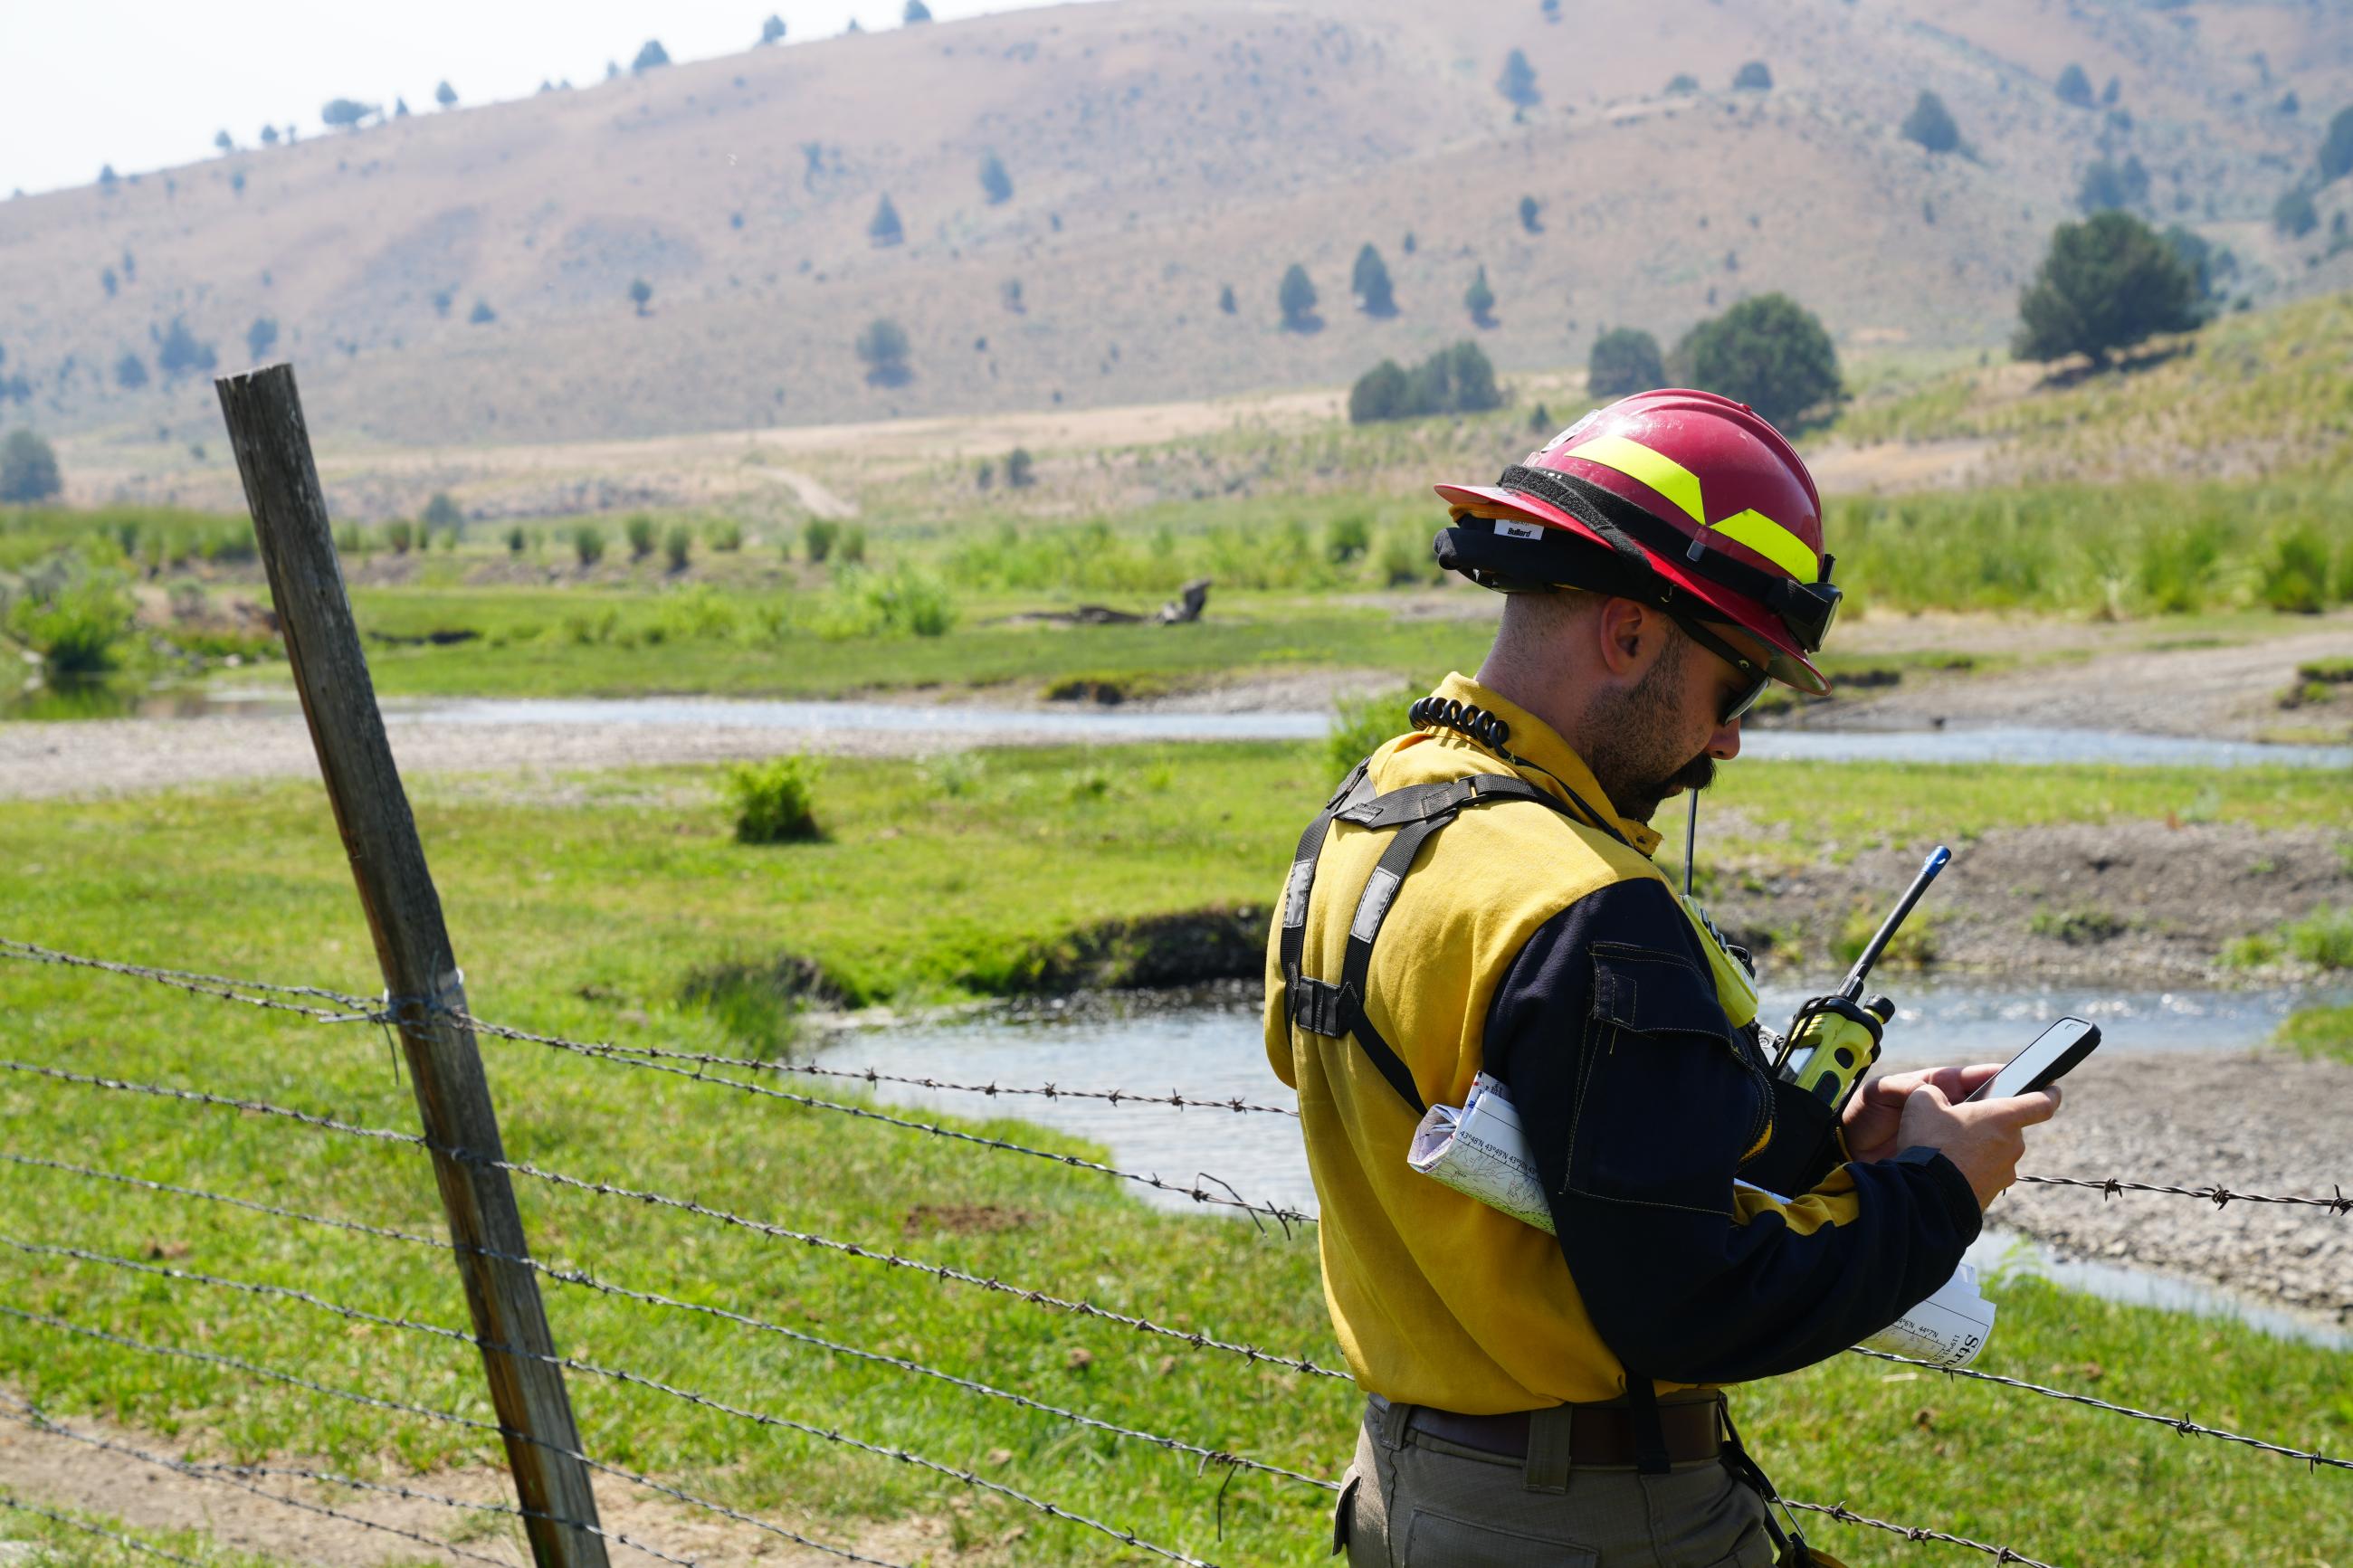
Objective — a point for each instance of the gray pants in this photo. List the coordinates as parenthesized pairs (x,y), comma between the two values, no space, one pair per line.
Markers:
(1413,1500)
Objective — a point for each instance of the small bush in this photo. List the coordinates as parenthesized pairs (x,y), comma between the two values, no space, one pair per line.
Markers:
(588,543)
(679,546)
(1362,725)
(904,601)
(400,533)
(727,536)
(2295,572)
(2078,928)
(1913,947)
(1020,468)
(818,535)
(853,546)
(517,540)
(1347,538)
(2324,938)
(773,802)
(75,628)
(2320,1032)
(1404,559)
(639,532)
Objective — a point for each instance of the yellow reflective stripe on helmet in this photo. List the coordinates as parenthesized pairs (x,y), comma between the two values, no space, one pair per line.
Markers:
(1656,470)
(1681,485)
(1771,540)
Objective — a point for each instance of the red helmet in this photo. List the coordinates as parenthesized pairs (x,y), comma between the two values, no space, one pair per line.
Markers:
(1695,503)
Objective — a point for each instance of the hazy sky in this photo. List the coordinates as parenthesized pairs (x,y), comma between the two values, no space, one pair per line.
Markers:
(141,84)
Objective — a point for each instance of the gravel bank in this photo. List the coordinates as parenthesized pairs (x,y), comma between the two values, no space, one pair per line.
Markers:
(2256,1121)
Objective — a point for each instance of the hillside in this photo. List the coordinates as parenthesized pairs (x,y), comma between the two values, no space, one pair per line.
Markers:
(1158,151)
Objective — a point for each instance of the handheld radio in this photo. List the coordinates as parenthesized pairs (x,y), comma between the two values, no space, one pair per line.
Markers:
(1834,1039)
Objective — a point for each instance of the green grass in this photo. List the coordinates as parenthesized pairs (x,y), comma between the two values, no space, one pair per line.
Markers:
(585,909)
(585,906)
(2320,1032)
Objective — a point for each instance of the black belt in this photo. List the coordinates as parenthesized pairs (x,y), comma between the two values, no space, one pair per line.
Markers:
(1597,1434)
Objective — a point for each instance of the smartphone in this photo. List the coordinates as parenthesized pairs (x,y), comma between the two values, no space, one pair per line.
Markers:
(2051,1058)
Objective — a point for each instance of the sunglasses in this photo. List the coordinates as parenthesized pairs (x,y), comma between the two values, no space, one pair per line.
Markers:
(1756,674)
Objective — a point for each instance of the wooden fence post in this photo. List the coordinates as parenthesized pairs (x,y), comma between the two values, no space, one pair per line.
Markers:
(404,912)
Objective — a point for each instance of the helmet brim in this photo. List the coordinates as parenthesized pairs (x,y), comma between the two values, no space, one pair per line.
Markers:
(1787,662)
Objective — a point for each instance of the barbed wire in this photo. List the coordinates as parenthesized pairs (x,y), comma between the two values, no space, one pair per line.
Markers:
(581,1279)
(867,1075)
(387,1010)
(2220,1196)
(120,1537)
(777,1232)
(378,1402)
(1915,1533)
(222,1101)
(2180,1424)
(40,1422)
(575,1364)
(92,1173)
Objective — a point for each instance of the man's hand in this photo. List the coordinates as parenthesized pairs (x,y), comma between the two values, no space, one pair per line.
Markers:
(1985,1138)
(1875,1115)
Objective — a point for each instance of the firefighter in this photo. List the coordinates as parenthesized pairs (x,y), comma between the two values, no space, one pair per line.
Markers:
(1480,896)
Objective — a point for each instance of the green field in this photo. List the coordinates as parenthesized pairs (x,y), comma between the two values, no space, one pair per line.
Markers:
(585,906)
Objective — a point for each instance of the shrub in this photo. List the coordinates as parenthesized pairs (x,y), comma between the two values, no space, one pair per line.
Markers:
(2075,87)
(2105,284)
(2337,149)
(75,628)
(1347,538)
(995,182)
(853,545)
(818,535)
(1480,300)
(1769,353)
(1020,469)
(727,536)
(1456,380)
(2324,938)
(481,315)
(2295,571)
(261,337)
(883,347)
(903,602)
(650,55)
(1370,283)
(28,468)
(1625,360)
(130,371)
(2110,187)
(440,512)
(639,532)
(517,540)
(2294,215)
(1931,124)
(1518,81)
(1361,725)
(1532,215)
(1682,84)
(679,546)
(1405,559)
(1754,76)
(773,802)
(400,533)
(883,228)
(1296,299)
(177,352)
(588,543)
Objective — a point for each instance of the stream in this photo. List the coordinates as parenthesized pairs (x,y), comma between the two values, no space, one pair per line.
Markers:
(1213,1050)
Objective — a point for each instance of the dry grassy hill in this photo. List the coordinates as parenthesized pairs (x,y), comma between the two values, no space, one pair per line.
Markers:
(1158,150)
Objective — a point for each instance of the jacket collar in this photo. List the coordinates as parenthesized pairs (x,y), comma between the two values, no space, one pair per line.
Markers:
(1555,764)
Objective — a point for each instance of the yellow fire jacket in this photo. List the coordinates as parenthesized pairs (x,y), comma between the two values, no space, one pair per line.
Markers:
(1548,949)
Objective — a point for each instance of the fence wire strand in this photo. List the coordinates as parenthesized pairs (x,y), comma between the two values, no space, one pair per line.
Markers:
(593,1368)
(1208,1457)
(2220,1196)
(40,1422)
(450,1417)
(1915,1533)
(1197,1340)
(117,1536)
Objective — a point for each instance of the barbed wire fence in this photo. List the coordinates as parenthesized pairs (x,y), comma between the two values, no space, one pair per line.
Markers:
(424,1016)
(326,1006)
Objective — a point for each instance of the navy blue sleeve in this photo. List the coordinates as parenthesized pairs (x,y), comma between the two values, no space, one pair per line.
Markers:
(1641,1103)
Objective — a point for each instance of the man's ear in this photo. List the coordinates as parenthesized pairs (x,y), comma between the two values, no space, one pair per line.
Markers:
(1629,636)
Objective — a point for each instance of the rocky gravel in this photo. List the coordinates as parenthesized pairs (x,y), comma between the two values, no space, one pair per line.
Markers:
(2264,1121)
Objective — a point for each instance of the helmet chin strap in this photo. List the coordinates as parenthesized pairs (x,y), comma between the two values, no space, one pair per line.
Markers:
(1690,838)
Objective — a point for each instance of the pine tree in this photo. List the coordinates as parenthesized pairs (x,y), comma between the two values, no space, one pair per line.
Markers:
(1370,283)
(649,56)
(2105,284)
(1518,83)
(1754,76)
(884,228)
(772,31)
(1530,214)
(1480,300)
(1296,297)
(995,182)
(446,95)
(1931,125)
(916,11)
(2075,87)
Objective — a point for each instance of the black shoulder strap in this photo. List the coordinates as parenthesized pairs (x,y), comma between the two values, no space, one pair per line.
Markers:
(1415,813)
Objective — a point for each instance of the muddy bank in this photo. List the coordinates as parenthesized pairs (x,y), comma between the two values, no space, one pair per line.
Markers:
(2142,904)
(2265,1121)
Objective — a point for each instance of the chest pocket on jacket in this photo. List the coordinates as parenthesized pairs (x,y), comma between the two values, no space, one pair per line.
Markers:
(1656,1047)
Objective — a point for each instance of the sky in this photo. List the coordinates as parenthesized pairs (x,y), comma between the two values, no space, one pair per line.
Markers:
(144,84)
